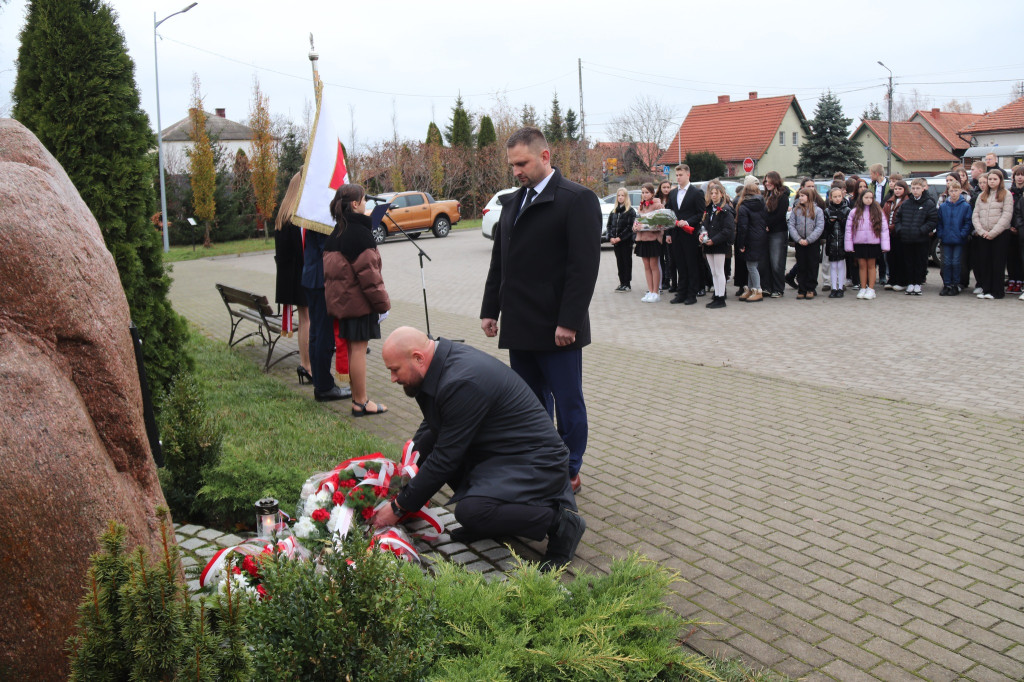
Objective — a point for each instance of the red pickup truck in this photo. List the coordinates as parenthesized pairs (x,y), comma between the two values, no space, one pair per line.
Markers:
(416,212)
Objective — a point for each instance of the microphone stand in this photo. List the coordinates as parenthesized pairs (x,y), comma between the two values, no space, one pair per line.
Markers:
(422,255)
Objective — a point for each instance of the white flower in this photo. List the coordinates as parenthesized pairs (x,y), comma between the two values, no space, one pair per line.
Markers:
(322,498)
(304,528)
(240,584)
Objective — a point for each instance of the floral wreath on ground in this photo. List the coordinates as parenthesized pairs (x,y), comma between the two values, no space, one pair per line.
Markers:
(330,503)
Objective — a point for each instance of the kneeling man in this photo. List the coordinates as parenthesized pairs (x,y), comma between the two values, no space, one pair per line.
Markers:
(486,435)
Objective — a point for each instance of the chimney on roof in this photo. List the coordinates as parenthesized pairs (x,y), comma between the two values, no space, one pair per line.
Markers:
(753,95)
(723,99)
(220,112)
(935,111)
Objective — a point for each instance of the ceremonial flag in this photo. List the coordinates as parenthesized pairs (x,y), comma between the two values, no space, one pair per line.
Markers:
(322,174)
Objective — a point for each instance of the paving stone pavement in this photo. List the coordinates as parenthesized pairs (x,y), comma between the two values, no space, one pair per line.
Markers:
(837,482)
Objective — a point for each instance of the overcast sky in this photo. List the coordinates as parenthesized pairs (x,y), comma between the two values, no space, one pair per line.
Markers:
(401,64)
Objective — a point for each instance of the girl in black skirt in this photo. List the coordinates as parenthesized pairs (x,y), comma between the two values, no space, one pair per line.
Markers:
(648,244)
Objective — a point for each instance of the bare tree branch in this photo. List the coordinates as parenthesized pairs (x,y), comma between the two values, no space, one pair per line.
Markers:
(648,122)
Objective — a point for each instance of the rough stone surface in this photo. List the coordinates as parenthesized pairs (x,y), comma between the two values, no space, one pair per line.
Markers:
(72,438)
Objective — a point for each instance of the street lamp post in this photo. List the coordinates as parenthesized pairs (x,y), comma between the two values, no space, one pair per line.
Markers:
(888,144)
(159,128)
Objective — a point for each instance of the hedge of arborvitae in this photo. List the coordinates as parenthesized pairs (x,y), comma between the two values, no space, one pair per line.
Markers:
(75,89)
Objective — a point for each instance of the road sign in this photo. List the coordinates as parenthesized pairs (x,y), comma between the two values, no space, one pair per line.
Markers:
(748,165)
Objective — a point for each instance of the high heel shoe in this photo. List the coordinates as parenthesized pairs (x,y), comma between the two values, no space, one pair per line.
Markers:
(304,376)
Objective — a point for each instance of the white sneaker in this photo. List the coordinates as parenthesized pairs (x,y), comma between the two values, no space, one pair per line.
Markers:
(646,298)
(988,296)
(897,287)
(654,298)
(1021,297)
(870,294)
(862,293)
(979,290)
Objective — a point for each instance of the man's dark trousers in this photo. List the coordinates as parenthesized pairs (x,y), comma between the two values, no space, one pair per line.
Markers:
(556,377)
(686,253)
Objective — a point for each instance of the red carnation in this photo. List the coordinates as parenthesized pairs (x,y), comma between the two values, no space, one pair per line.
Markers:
(368,513)
(380,491)
(321,515)
(260,590)
(249,564)
(348,483)
(338,497)
(236,570)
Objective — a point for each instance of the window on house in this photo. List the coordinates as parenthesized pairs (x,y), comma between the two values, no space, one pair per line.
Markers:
(796,138)
(782,137)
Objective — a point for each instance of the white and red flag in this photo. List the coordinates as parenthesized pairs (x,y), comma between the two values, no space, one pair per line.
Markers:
(322,174)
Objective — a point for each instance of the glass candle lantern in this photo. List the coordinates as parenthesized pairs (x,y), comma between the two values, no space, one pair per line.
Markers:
(268,518)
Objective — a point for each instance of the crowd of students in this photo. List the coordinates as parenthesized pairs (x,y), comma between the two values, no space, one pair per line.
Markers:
(866,233)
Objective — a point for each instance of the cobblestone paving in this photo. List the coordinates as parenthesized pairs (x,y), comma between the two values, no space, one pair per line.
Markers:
(837,482)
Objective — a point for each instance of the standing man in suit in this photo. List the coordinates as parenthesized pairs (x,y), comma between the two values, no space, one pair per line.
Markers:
(688,204)
(544,263)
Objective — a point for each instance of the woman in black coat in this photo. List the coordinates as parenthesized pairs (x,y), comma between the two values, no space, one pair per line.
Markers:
(773,264)
(718,230)
(620,235)
(751,238)
(289,290)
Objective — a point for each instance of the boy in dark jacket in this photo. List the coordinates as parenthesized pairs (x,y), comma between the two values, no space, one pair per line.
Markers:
(914,224)
(953,228)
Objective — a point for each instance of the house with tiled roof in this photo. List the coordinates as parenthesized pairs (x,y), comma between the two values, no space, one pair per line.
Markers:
(915,151)
(231,136)
(944,126)
(1000,131)
(768,130)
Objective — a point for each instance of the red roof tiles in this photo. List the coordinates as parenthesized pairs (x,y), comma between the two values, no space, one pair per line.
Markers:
(948,124)
(911,141)
(732,130)
(1009,117)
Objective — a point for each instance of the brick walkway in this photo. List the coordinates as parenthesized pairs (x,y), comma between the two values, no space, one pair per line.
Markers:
(839,482)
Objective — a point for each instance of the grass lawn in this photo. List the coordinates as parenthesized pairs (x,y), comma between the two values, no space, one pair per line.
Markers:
(274,439)
(180,253)
(468,224)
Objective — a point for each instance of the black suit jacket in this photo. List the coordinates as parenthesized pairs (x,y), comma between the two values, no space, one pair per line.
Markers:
(484,433)
(692,210)
(544,266)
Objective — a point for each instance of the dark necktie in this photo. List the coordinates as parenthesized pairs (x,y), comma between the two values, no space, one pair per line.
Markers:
(530,194)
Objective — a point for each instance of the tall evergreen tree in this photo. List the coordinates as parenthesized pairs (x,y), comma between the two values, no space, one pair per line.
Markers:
(459,132)
(529,116)
(827,148)
(434,135)
(871,112)
(291,156)
(75,89)
(572,126)
(486,136)
(554,129)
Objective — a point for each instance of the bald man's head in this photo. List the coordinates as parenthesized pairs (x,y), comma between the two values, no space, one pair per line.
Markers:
(407,352)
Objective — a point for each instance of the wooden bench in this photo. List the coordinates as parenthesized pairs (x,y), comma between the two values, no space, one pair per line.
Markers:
(249,307)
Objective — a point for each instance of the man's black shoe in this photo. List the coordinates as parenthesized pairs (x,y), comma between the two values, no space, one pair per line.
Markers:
(563,539)
(336,393)
(791,281)
(690,301)
(678,299)
(672,288)
(702,292)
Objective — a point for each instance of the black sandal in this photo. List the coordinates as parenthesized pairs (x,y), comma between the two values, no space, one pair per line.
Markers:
(365,412)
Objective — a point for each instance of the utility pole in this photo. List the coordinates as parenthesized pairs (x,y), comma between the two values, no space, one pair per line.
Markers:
(888,143)
(583,120)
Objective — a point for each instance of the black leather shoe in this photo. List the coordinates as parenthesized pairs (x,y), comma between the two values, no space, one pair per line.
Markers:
(716,302)
(702,292)
(563,539)
(336,393)
(690,301)
(672,288)
(678,299)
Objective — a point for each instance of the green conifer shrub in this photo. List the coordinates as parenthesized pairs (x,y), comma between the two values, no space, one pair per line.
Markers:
(192,442)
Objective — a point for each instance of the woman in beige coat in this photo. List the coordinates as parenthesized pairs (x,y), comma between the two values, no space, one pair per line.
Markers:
(992,213)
